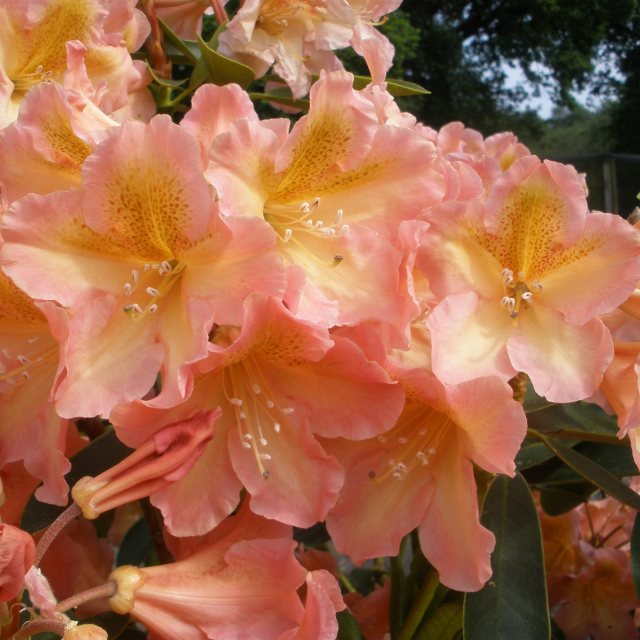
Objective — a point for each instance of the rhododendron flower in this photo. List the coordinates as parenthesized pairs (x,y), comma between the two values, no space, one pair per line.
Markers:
(597,603)
(142,261)
(234,585)
(521,278)
(17,553)
(620,387)
(105,28)
(30,430)
(280,382)
(45,148)
(296,36)
(334,191)
(420,474)
(166,457)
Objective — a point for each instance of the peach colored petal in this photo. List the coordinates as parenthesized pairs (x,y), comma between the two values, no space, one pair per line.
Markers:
(565,362)
(596,274)
(451,536)
(469,337)
(143,188)
(386,505)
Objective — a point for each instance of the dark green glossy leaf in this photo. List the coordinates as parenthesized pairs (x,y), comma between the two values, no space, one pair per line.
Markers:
(580,417)
(555,502)
(635,553)
(444,624)
(593,472)
(96,457)
(531,454)
(513,604)
(533,402)
(136,545)
(348,628)
(218,68)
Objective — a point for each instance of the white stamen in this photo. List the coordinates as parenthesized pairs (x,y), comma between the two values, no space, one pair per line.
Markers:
(242,415)
(152,292)
(287,235)
(135,276)
(128,289)
(265,456)
(236,402)
(432,451)
(277,427)
(402,440)
(23,359)
(264,442)
(288,411)
(527,295)
(152,308)
(255,387)
(270,404)
(246,445)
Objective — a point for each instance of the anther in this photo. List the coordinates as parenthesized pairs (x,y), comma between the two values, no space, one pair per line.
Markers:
(288,411)
(277,427)
(527,295)
(270,404)
(236,402)
(264,442)
(265,456)
(242,415)
(135,276)
(152,291)
(287,235)
(23,359)
(255,387)
(152,308)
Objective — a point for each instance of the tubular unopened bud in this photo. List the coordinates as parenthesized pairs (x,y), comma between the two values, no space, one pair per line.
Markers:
(128,580)
(164,458)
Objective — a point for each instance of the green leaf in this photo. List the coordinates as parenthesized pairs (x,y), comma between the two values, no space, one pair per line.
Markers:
(165,82)
(444,624)
(280,96)
(96,457)
(513,604)
(593,472)
(635,553)
(186,48)
(348,628)
(218,68)
(580,417)
(394,87)
(555,502)
(533,402)
(531,454)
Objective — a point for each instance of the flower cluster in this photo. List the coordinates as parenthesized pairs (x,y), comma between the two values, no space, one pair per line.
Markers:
(288,323)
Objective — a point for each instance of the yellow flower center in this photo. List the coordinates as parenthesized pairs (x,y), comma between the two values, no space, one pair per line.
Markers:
(149,285)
